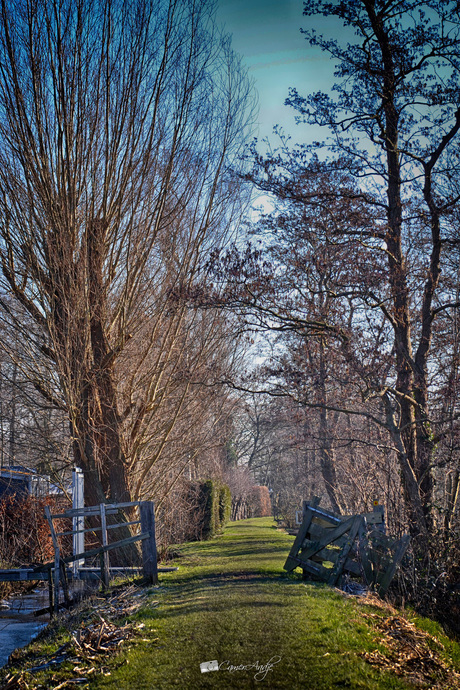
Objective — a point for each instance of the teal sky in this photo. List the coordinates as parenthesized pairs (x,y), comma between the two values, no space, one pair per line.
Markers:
(266,33)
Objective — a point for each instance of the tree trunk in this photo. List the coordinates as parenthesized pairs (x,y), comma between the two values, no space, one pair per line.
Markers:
(327,454)
(408,450)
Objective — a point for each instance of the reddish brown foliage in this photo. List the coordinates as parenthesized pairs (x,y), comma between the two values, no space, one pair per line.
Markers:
(259,502)
(24,532)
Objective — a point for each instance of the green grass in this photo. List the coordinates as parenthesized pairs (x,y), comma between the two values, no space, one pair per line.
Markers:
(232,602)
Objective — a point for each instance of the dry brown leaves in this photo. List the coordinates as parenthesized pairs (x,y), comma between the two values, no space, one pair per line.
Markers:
(411,653)
(15,682)
(96,638)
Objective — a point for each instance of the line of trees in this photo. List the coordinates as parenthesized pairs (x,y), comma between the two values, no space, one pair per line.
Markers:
(125,312)
(119,124)
(356,271)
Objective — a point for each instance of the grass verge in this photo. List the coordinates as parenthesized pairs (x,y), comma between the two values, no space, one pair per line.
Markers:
(231,602)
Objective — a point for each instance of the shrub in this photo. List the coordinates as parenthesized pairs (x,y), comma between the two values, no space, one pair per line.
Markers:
(210,494)
(225,505)
(259,502)
(25,536)
(216,501)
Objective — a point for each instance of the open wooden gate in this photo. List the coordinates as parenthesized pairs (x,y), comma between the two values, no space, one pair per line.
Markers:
(330,546)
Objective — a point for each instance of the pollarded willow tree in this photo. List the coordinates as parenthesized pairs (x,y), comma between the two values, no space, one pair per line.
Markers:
(118,122)
(379,197)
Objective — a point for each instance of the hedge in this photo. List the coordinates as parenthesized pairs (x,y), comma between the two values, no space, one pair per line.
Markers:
(216,502)
(255,503)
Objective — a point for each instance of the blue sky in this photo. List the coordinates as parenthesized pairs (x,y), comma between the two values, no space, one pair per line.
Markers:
(266,33)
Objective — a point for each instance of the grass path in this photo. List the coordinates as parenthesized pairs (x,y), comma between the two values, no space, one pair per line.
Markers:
(231,602)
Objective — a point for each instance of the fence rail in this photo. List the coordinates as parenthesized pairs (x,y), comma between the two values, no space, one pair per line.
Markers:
(57,569)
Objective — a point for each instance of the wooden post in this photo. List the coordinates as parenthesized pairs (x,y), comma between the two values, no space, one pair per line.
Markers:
(57,558)
(149,547)
(51,591)
(308,514)
(356,522)
(385,580)
(363,550)
(105,566)
(78,521)
(378,508)
(65,582)
(57,572)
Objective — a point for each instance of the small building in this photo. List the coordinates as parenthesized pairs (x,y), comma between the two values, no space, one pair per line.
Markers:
(16,480)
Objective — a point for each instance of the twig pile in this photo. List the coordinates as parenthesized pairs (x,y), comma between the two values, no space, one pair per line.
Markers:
(96,638)
(412,653)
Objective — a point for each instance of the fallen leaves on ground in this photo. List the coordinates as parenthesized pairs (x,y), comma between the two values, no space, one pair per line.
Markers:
(97,636)
(411,653)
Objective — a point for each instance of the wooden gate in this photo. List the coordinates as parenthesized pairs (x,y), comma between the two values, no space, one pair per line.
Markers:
(146,523)
(329,547)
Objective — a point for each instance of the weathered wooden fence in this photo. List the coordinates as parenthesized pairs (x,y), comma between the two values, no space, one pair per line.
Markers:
(57,568)
(330,546)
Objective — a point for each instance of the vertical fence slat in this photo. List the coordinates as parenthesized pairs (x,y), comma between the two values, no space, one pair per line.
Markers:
(149,547)
(105,566)
(57,563)
(78,521)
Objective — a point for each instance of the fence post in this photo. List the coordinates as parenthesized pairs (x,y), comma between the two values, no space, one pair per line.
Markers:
(378,508)
(51,592)
(149,547)
(57,560)
(105,554)
(78,522)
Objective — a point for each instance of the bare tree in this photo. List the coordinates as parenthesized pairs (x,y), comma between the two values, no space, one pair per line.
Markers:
(386,176)
(118,121)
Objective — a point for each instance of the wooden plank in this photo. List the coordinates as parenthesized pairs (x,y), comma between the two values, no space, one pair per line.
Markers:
(123,524)
(49,517)
(377,517)
(325,523)
(332,555)
(377,538)
(384,583)
(109,547)
(98,529)
(95,552)
(50,591)
(65,581)
(291,563)
(337,570)
(363,551)
(111,509)
(25,574)
(56,578)
(327,515)
(379,510)
(149,547)
(313,568)
(319,533)
(329,538)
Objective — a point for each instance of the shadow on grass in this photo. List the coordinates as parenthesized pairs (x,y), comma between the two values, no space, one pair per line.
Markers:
(211,593)
(233,577)
(190,607)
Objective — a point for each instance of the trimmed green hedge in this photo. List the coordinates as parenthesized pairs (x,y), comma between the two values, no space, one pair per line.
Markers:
(225,505)
(217,503)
